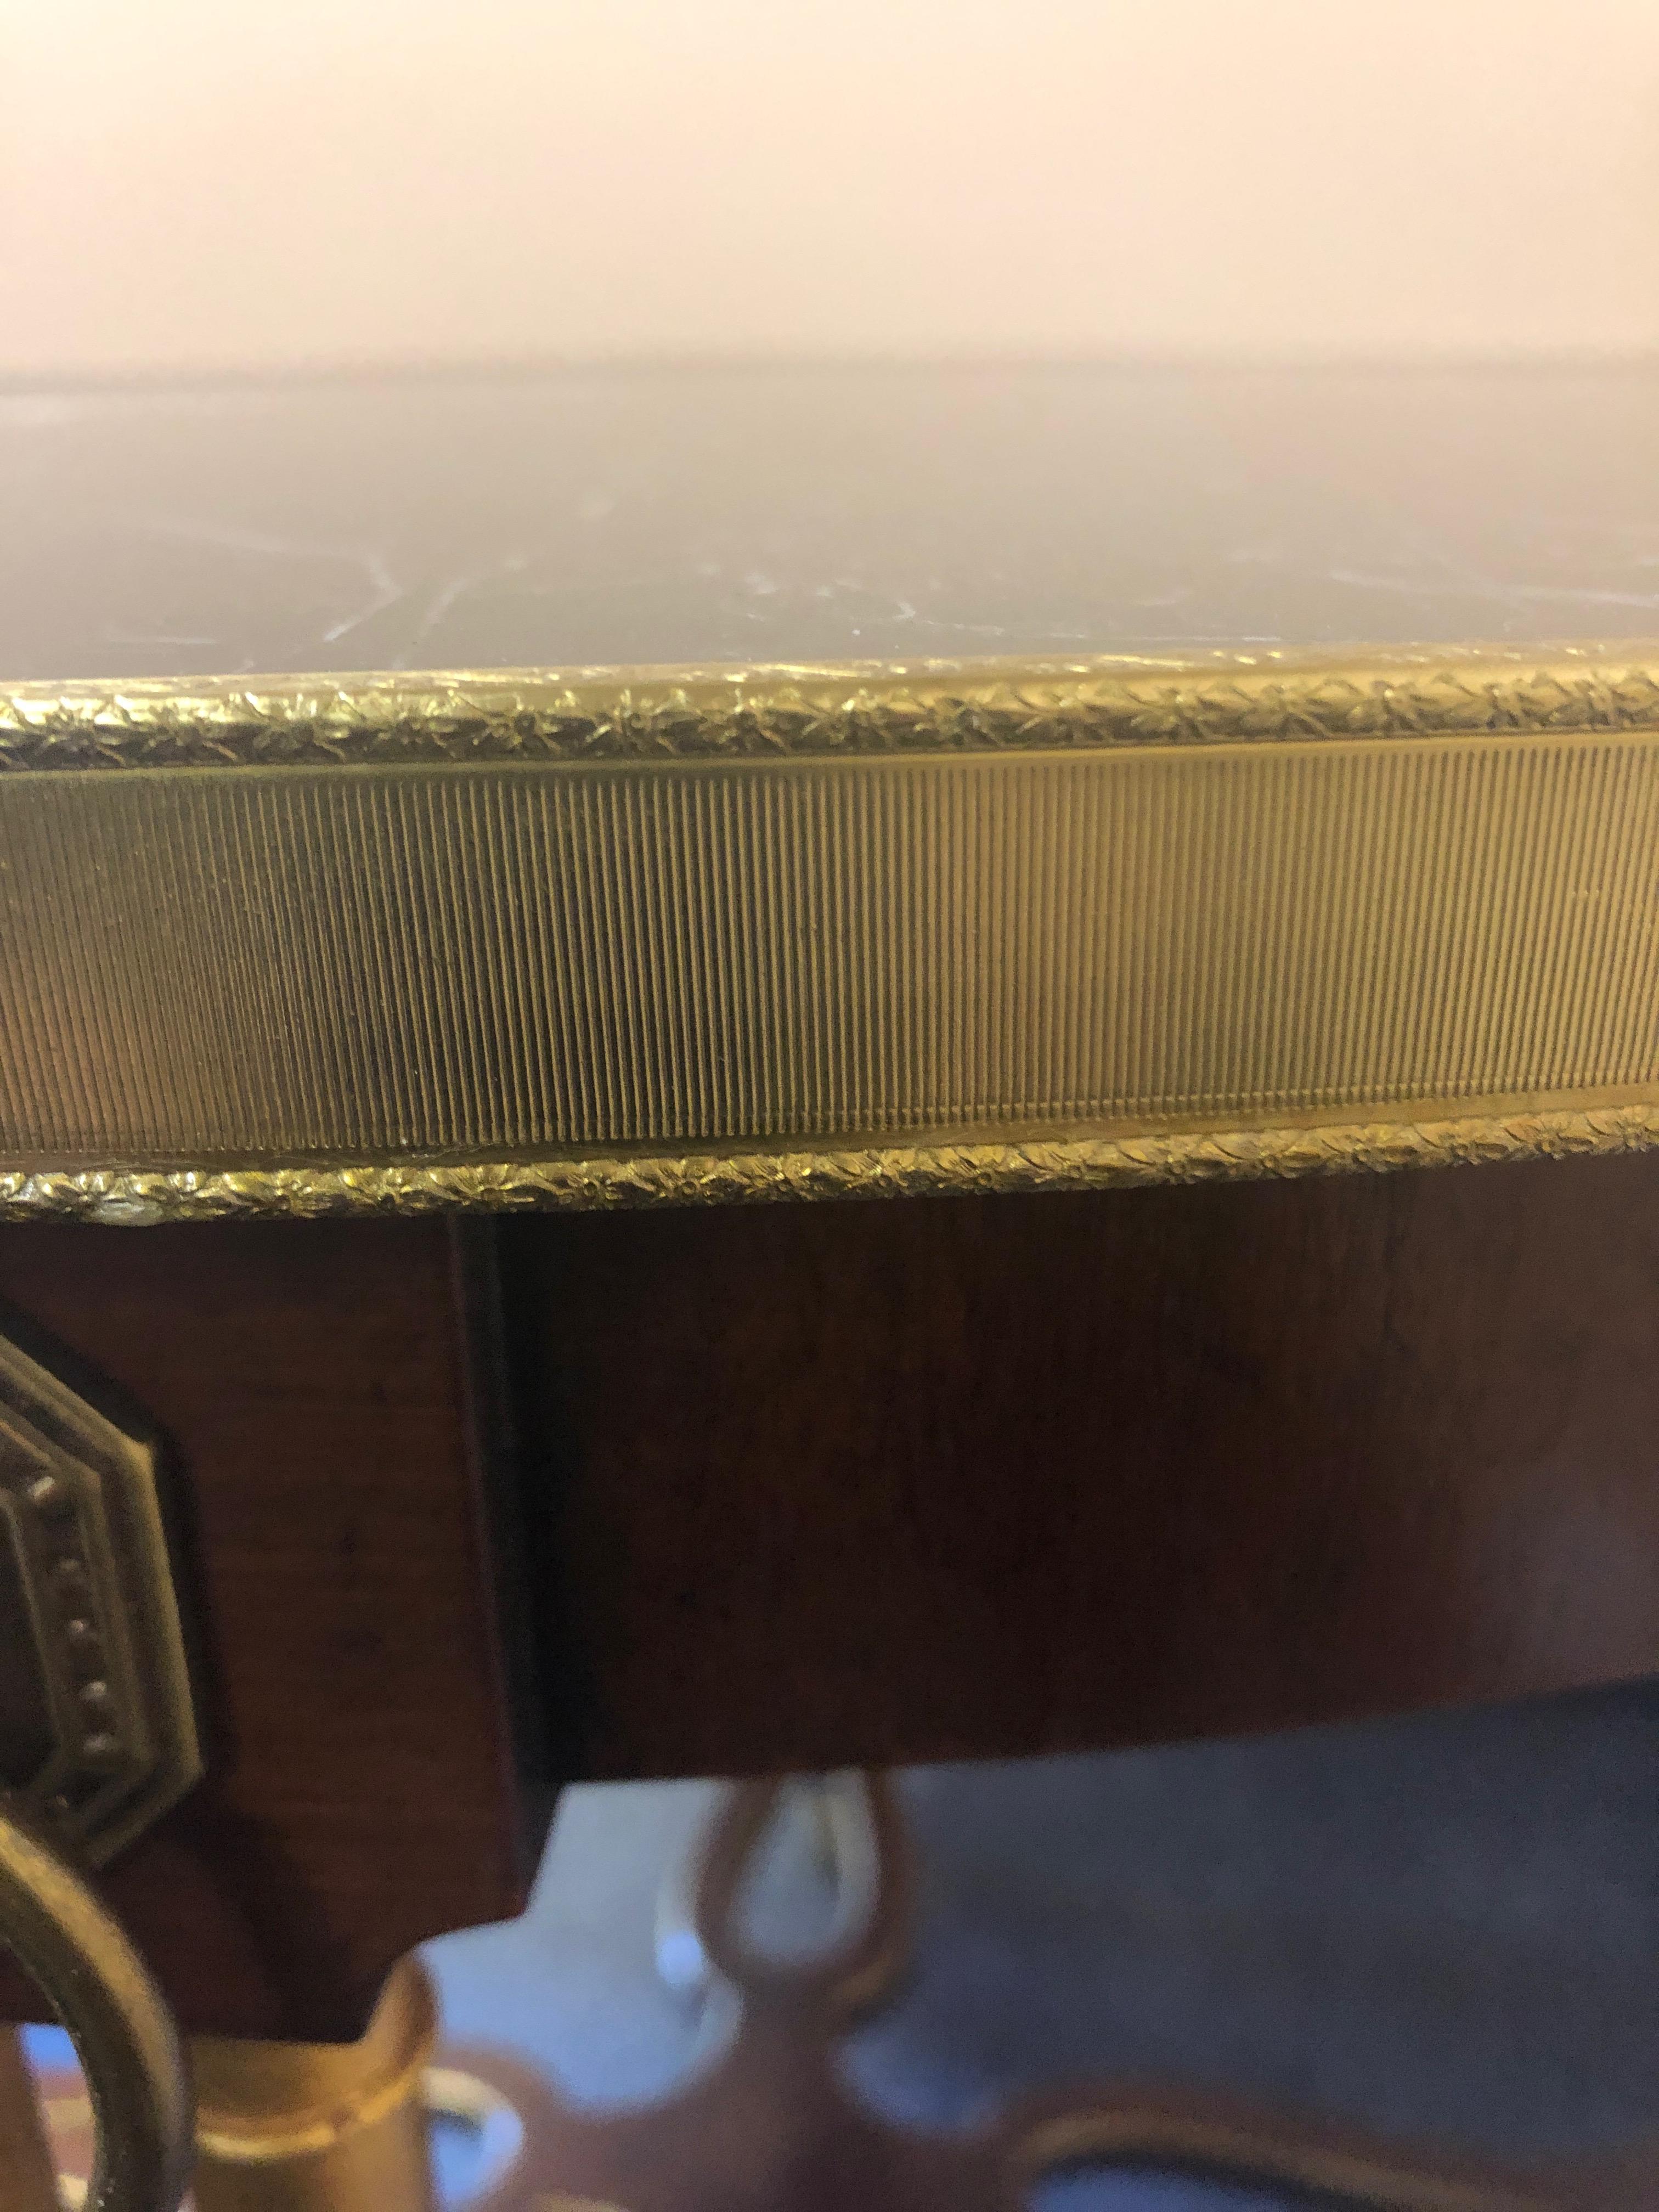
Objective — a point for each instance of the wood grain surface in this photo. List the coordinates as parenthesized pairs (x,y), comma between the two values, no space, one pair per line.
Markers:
(801,1487)
(313,1382)
(959,1476)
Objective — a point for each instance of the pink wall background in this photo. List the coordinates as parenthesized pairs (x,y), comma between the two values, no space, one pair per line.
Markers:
(195,184)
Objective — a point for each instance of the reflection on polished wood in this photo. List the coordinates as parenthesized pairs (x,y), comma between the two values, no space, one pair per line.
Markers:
(774,2126)
(811,1487)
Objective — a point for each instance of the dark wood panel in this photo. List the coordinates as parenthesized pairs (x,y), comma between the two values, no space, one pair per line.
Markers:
(819,1485)
(811,1486)
(313,1383)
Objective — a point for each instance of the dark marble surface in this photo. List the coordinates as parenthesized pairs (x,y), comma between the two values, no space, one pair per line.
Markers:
(748,513)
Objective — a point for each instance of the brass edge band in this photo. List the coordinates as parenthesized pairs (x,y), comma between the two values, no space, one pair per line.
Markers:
(383,932)
(859,709)
(138,1198)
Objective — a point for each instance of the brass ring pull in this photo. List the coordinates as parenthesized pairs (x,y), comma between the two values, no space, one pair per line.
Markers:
(117,2018)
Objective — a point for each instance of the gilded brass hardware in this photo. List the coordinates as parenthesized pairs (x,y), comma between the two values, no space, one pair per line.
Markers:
(364,2156)
(81,1522)
(101,1738)
(597,939)
(290,2127)
(123,2031)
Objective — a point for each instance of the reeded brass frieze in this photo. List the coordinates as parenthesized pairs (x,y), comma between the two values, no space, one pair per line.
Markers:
(592,938)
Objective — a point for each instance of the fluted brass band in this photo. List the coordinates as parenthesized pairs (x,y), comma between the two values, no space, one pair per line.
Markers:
(593,939)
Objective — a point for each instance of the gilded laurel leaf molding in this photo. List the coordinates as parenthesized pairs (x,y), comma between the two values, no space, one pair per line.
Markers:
(857,708)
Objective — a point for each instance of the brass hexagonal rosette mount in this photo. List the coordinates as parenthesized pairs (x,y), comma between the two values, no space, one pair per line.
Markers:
(98,1738)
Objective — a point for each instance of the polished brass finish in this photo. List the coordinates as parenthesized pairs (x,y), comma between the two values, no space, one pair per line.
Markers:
(80,1511)
(863,709)
(81,1525)
(579,939)
(464,2096)
(64,1937)
(138,1199)
(286,2127)
(28,2182)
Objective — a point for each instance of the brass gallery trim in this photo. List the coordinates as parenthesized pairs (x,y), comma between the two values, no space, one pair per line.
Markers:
(141,1198)
(80,1509)
(851,710)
